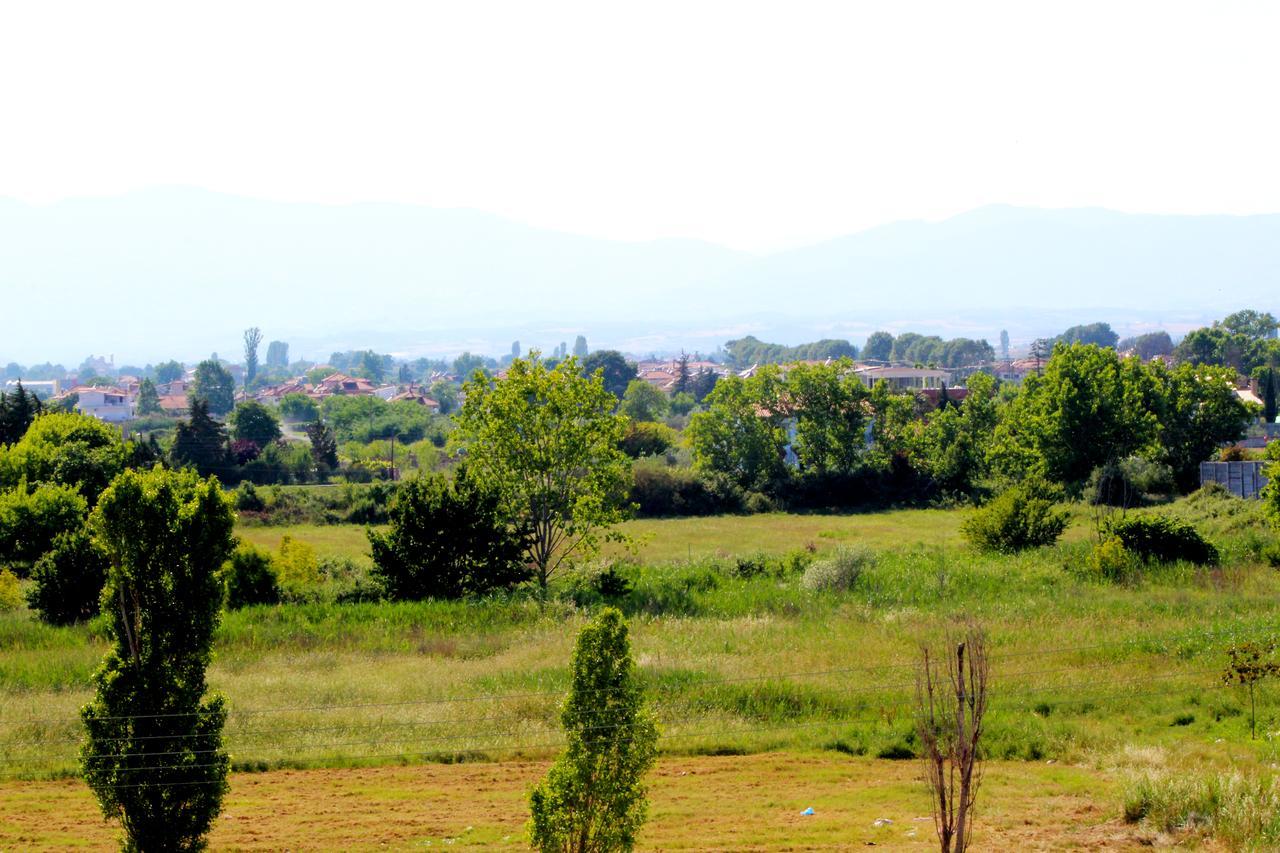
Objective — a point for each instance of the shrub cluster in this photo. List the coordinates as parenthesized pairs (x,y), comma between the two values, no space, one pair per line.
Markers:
(346,504)
(660,490)
(840,572)
(1163,539)
(1015,521)
(67,581)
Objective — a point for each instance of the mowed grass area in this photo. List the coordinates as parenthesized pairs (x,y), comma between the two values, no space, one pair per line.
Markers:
(704,803)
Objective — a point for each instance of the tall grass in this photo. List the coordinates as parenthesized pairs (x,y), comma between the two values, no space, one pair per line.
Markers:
(1240,809)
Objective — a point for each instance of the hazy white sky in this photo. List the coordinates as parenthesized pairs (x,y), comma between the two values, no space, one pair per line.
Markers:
(756,125)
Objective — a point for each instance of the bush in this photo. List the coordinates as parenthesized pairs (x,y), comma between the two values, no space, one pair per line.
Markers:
(250,578)
(67,581)
(1109,560)
(1130,482)
(840,572)
(30,521)
(248,499)
(1014,521)
(645,438)
(297,569)
(10,593)
(660,490)
(1163,539)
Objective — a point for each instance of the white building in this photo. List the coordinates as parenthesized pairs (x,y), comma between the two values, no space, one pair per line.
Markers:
(106,404)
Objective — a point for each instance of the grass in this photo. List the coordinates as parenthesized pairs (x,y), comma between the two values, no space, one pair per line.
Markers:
(725,803)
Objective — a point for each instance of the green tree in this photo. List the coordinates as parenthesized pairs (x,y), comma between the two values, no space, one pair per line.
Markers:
(879,347)
(593,797)
(1098,334)
(252,421)
(614,367)
(67,581)
(200,443)
(324,447)
(153,753)
(684,378)
(33,517)
(252,340)
(643,402)
(1267,381)
(17,411)
(299,407)
(645,438)
(547,442)
(65,448)
(956,441)
(740,434)
(372,366)
(168,371)
(467,364)
(446,394)
(1256,325)
(682,403)
(214,387)
(278,355)
(447,540)
(1198,411)
(1004,344)
(148,399)
(828,404)
(580,347)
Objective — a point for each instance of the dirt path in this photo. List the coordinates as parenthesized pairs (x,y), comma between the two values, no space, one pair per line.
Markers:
(704,803)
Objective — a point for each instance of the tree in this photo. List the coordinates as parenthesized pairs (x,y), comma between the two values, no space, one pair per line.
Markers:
(1268,382)
(827,402)
(951,707)
(68,449)
(1249,663)
(168,371)
(645,438)
(252,340)
(153,753)
(298,407)
(1198,411)
(580,347)
(955,442)
(32,517)
(447,540)
(1099,334)
(17,411)
(1256,325)
(446,394)
(740,434)
(148,399)
(324,447)
(879,347)
(214,387)
(1152,344)
(684,379)
(278,355)
(515,349)
(252,421)
(372,366)
(547,442)
(643,402)
(200,443)
(1004,344)
(616,370)
(467,364)
(593,797)
(702,384)
(67,581)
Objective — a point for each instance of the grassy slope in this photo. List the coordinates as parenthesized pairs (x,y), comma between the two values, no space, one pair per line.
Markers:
(701,803)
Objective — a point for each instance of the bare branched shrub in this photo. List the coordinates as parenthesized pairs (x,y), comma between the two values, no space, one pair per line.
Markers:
(951,702)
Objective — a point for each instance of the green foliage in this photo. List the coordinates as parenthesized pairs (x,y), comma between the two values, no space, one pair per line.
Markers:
(299,407)
(547,441)
(827,402)
(200,442)
(148,399)
(17,411)
(153,755)
(1110,561)
(682,403)
(297,568)
(68,449)
(250,578)
(1096,334)
(278,355)
(840,572)
(1014,521)
(643,402)
(447,540)
(647,439)
(955,441)
(740,433)
(593,797)
(214,386)
(659,489)
(1241,810)
(67,581)
(252,340)
(365,419)
(30,521)
(879,347)
(1198,411)
(747,351)
(1163,539)
(10,592)
(615,371)
(252,421)
(168,371)
(1129,482)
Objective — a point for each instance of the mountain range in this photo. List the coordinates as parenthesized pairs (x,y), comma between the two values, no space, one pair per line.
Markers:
(180,272)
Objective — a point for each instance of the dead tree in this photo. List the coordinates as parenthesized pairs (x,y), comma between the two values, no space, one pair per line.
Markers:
(951,702)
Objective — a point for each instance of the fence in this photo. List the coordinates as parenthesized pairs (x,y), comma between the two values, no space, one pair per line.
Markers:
(1242,479)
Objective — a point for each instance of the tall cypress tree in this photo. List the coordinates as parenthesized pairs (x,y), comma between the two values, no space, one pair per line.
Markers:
(1269,395)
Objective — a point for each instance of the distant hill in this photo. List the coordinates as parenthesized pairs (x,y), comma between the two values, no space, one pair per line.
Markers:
(181,272)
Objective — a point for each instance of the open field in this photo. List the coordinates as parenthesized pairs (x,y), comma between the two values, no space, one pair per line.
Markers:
(719,803)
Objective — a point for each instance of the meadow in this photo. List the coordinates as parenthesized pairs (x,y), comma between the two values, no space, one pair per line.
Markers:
(739,658)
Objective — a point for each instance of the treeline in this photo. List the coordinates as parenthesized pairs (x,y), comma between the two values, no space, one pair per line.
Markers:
(744,352)
(912,348)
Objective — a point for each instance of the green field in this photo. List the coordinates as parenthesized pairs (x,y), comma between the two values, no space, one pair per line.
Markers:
(1083,670)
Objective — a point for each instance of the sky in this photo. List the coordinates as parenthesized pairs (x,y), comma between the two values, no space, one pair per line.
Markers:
(756,125)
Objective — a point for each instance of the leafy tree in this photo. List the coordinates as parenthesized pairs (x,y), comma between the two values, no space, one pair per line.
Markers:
(1152,344)
(1016,520)
(252,340)
(153,755)
(324,447)
(747,351)
(299,407)
(616,370)
(515,349)
(1198,411)
(148,399)
(32,519)
(580,347)
(372,366)
(200,443)
(956,441)
(1249,663)
(68,449)
(1098,334)
(879,347)
(446,394)
(1089,408)
(547,442)
(1004,344)
(1256,325)
(167,371)
(827,402)
(645,438)
(593,797)
(67,581)
(740,434)
(17,411)
(278,355)
(467,364)
(682,403)
(684,378)
(447,540)
(643,402)
(252,421)
(250,578)
(214,387)
(702,384)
